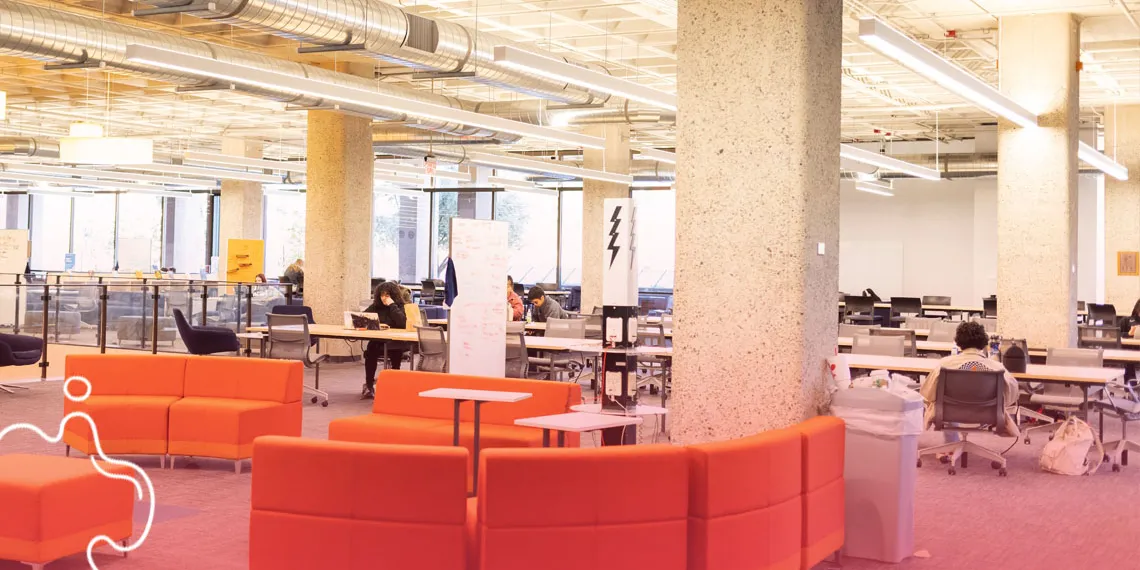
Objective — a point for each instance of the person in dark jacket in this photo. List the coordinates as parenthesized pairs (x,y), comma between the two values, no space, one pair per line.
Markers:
(387,302)
(545,308)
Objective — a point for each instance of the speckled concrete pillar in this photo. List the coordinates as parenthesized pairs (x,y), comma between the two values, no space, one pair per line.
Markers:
(338,214)
(241,201)
(757,197)
(615,158)
(1037,182)
(1122,203)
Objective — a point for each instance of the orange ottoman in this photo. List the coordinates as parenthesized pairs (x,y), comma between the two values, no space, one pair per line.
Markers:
(54,506)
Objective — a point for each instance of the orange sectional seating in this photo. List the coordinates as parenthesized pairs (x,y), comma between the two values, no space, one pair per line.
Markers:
(770,501)
(183,405)
(401,415)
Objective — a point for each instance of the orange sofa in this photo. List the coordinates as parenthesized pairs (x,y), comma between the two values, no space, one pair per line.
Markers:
(824,438)
(53,506)
(533,511)
(745,502)
(183,405)
(401,415)
(328,504)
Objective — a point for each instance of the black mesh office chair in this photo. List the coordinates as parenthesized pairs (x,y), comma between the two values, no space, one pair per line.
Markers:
(935,300)
(1098,336)
(860,310)
(968,401)
(910,348)
(1102,314)
(431,292)
(989,307)
(902,307)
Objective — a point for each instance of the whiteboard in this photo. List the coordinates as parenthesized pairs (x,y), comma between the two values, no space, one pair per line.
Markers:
(874,265)
(13,251)
(477,321)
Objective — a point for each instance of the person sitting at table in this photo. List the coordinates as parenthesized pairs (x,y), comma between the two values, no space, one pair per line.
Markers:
(972,338)
(514,300)
(544,307)
(388,303)
(1130,321)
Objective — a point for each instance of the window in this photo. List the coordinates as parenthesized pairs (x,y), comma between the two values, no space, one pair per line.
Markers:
(189,253)
(398,222)
(51,231)
(532,235)
(140,232)
(656,221)
(571,238)
(94,233)
(284,231)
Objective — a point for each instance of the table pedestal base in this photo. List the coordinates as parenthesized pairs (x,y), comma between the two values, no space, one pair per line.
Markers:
(625,435)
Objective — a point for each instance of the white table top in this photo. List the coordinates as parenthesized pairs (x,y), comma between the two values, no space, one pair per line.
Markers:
(475,395)
(1033,372)
(639,410)
(251,335)
(578,421)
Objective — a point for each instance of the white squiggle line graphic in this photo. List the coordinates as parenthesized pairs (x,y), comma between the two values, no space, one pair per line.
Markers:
(99,449)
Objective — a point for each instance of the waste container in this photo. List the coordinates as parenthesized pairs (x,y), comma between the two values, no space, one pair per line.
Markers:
(879,471)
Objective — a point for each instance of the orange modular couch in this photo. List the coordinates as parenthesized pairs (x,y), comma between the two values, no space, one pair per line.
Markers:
(183,405)
(401,415)
(327,504)
(824,438)
(533,512)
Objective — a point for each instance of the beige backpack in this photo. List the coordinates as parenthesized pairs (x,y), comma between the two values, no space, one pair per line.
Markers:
(1068,452)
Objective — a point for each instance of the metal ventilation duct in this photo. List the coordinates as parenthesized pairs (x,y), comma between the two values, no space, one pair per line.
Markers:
(62,37)
(27,146)
(390,34)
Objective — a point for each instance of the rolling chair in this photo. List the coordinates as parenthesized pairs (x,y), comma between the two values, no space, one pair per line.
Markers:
(1098,336)
(989,324)
(846,330)
(968,401)
(205,340)
(433,349)
(908,336)
(1061,397)
(935,300)
(431,292)
(878,345)
(860,310)
(903,308)
(1101,314)
(562,361)
(1120,400)
(517,363)
(920,323)
(942,331)
(289,339)
(989,307)
(19,350)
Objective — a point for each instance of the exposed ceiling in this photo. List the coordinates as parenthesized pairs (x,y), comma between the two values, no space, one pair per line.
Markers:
(634,39)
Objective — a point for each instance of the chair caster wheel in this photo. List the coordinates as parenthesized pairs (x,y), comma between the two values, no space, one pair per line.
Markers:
(945,459)
(953,471)
(1027,442)
(1002,472)
(1116,468)
(314,400)
(919,464)
(995,465)
(325,404)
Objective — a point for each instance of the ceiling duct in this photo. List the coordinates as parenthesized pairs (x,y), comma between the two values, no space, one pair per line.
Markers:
(952,166)
(388,33)
(27,146)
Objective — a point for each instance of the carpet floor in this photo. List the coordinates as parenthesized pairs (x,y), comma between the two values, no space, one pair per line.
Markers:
(974,520)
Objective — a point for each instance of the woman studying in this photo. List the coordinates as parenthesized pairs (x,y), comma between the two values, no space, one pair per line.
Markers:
(388,304)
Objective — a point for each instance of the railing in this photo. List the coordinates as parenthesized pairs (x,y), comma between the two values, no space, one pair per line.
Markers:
(129,313)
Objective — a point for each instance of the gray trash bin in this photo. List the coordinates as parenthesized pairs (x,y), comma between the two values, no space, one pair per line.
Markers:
(879,471)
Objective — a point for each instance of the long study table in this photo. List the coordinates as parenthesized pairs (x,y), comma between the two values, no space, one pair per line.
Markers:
(1110,355)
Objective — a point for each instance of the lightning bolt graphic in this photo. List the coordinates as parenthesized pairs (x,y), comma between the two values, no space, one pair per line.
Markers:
(614,247)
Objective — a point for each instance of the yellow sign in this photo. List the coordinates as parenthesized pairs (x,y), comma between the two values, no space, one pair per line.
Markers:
(245,258)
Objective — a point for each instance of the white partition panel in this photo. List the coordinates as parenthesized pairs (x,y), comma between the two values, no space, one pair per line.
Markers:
(13,259)
(477,322)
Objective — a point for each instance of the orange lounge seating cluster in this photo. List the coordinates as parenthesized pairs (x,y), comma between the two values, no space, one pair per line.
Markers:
(401,415)
(183,405)
(773,500)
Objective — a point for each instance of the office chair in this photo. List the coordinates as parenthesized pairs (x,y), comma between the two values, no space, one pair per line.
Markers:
(561,361)
(1120,400)
(19,350)
(433,349)
(205,340)
(517,363)
(1098,336)
(878,345)
(1101,314)
(920,323)
(989,324)
(652,335)
(908,336)
(942,331)
(935,300)
(1061,397)
(903,308)
(989,308)
(547,286)
(294,310)
(431,292)
(860,310)
(847,331)
(520,290)
(968,401)
(289,339)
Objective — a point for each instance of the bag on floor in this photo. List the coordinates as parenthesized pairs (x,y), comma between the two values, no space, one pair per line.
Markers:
(1068,452)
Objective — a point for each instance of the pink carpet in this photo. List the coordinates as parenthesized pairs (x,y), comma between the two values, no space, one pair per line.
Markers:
(974,520)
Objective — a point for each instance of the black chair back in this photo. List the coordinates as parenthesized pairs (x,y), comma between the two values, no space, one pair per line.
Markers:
(935,300)
(294,310)
(989,308)
(547,286)
(906,305)
(184,328)
(1102,314)
(1098,336)
(969,397)
(859,305)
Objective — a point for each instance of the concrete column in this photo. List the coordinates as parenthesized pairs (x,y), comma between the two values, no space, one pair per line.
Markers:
(241,202)
(1122,203)
(757,211)
(615,158)
(338,214)
(1037,182)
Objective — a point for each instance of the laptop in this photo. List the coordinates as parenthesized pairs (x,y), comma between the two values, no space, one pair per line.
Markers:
(354,320)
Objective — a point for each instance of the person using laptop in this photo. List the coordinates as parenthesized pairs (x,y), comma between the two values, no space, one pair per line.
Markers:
(544,307)
(388,304)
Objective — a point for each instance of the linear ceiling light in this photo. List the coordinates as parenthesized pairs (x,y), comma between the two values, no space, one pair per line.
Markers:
(864,187)
(380,102)
(54,191)
(658,155)
(883,161)
(560,70)
(1102,161)
(511,183)
(421,171)
(108,174)
(416,181)
(541,166)
(21,177)
(389,189)
(243,162)
(162,193)
(215,173)
(916,57)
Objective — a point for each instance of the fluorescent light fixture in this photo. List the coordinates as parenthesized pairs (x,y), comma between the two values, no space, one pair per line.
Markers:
(560,70)
(388,189)
(65,192)
(883,161)
(546,166)
(21,177)
(397,179)
(511,183)
(243,162)
(162,193)
(658,155)
(876,184)
(1102,161)
(283,187)
(916,57)
(421,171)
(215,173)
(380,102)
(82,129)
(864,187)
(108,174)
(107,151)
